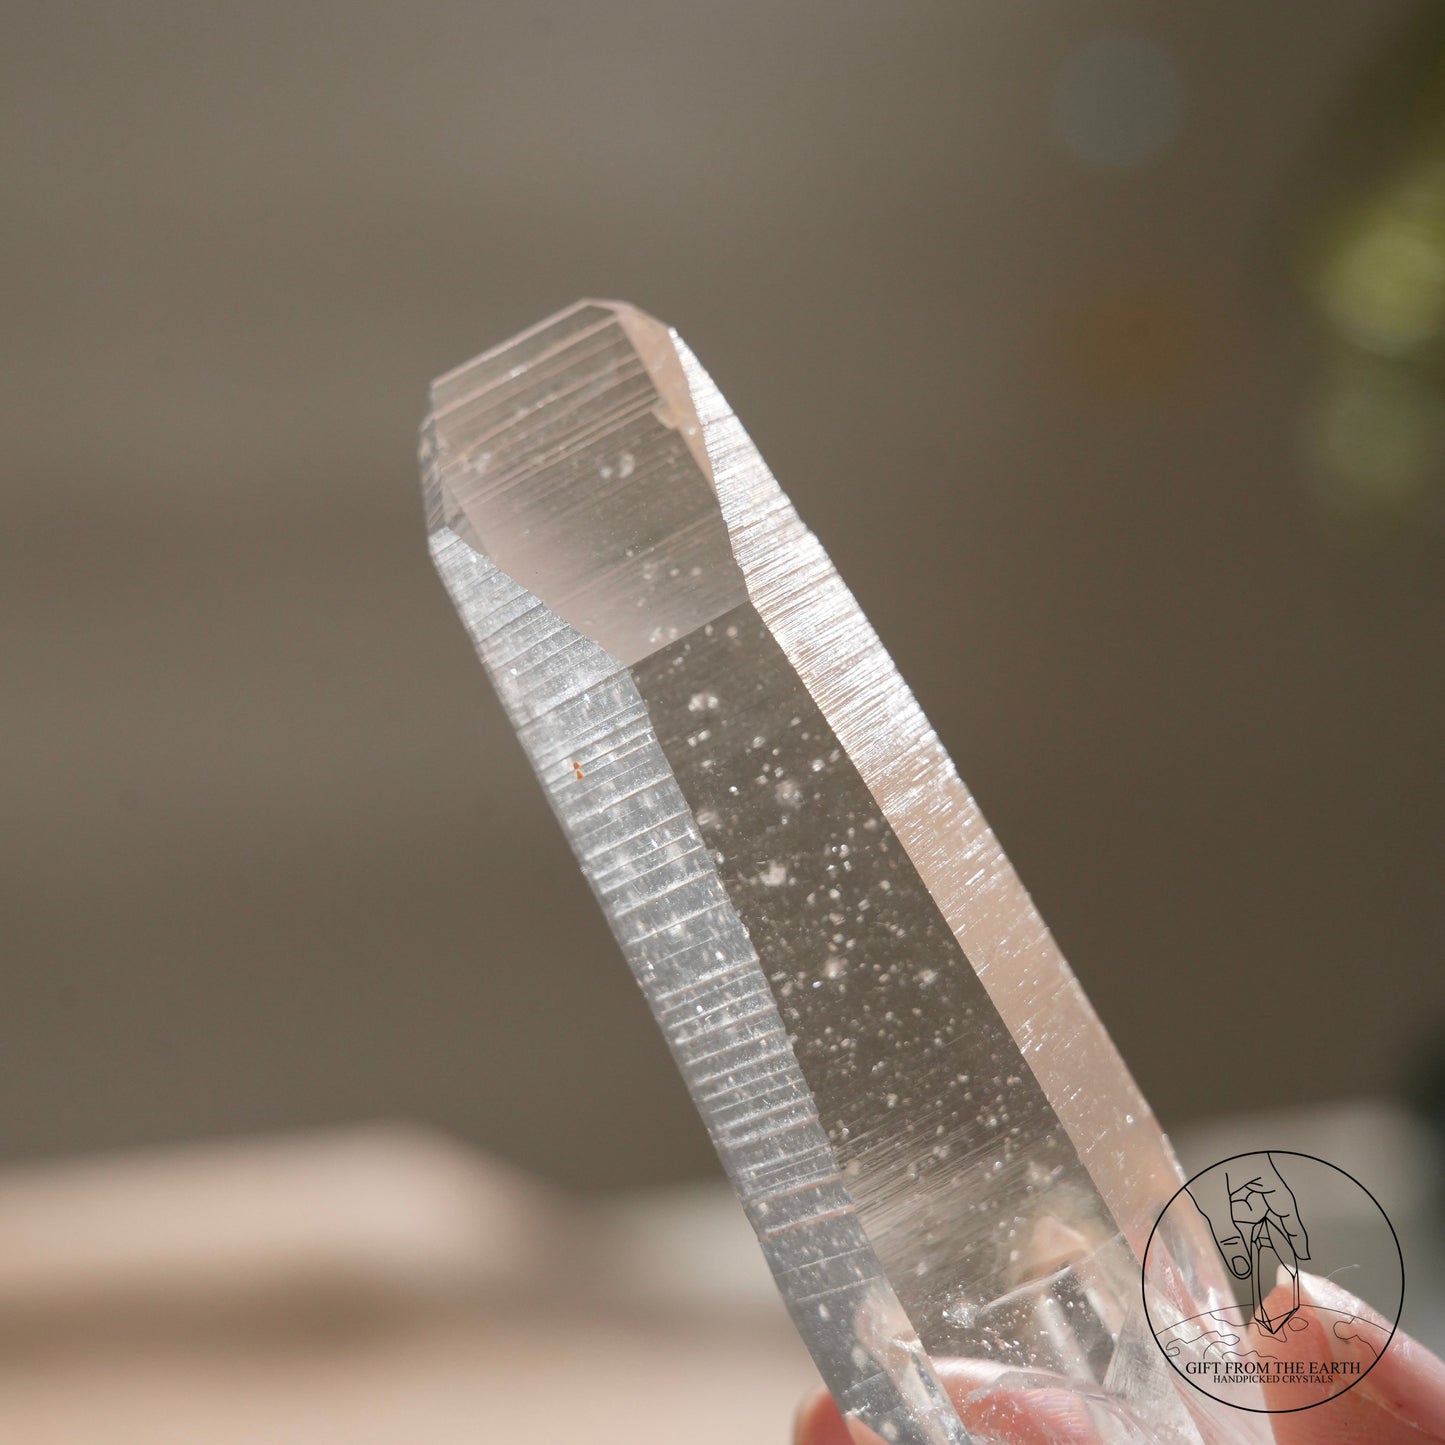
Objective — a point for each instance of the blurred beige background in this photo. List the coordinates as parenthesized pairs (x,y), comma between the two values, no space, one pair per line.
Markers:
(1006,295)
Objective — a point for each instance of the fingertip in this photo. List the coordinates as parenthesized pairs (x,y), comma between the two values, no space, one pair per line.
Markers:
(819,1421)
(1283,1297)
(813,1424)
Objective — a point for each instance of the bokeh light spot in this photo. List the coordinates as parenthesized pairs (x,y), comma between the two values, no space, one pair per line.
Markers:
(1118,101)
(1140,341)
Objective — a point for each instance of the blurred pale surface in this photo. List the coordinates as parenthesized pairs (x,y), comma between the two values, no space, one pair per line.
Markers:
(378,1286)
(385,1284)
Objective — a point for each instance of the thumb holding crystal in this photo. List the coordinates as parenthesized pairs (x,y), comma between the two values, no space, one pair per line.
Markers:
(1210,1193)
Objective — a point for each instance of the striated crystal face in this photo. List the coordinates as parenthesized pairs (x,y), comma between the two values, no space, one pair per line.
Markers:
(940,1150)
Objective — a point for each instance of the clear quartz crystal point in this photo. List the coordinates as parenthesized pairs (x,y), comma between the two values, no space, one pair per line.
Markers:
(940,1149)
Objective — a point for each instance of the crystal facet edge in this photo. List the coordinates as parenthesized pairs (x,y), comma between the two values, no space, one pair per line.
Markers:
(795,587)
(683,941)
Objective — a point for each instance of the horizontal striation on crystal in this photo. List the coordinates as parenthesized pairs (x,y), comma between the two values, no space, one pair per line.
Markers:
(940,1149)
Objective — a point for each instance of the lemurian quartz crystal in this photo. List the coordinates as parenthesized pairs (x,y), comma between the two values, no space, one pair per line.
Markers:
(940,1150)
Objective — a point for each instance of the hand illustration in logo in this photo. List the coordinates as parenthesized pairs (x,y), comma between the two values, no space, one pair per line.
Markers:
(1255,1221)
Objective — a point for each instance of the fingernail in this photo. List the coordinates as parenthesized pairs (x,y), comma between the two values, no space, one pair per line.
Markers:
(1325,1294)
(1031,1414)
(1240,1265)
(1408,1382)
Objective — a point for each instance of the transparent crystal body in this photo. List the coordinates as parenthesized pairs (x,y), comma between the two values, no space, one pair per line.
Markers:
(937,1144)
